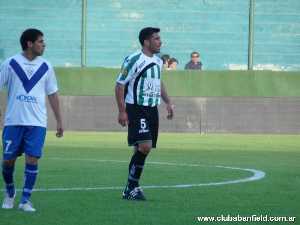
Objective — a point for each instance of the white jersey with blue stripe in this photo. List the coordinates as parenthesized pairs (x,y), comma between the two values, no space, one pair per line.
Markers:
(27,83)
(142,76)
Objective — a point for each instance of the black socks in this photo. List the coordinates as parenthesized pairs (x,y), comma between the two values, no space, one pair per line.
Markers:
(136,166)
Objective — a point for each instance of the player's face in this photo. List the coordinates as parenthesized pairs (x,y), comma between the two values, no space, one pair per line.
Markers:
(154,43)
(37,47)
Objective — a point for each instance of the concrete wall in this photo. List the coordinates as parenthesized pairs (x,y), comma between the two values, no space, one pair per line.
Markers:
(205,115)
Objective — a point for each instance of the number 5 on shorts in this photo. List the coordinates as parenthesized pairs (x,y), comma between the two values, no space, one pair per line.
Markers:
(7,144)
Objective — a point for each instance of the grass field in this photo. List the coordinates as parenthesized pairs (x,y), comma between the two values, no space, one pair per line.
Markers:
(89,160)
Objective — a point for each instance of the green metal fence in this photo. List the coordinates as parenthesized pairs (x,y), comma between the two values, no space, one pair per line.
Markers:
(229,34)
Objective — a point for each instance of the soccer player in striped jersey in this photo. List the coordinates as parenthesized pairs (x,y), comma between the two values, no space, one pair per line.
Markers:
(28,79)
(138,92)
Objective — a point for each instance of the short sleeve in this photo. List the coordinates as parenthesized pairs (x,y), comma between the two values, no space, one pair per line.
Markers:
(51,82)
(128,71)
(4,75)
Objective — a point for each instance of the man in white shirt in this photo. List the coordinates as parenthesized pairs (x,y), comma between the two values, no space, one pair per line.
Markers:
(28,79)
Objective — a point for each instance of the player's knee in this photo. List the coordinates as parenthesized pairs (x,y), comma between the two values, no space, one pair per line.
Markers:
(145,148)
(31,160)
(9,163)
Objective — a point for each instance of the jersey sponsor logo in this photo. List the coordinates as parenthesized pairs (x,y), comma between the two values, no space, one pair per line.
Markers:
(124,72)
(142,64)
(151,90)
(149,86)
(27,98)
(29,64)
(152,95)
(152,87)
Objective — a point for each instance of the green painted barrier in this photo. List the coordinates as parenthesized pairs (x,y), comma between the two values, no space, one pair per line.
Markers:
(101,81)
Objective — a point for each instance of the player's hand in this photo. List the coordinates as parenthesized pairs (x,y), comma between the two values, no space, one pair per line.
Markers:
(170,110)
(59,130)
(123,119)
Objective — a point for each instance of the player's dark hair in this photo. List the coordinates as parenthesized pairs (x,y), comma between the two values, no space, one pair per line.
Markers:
(146,33)
(31,35)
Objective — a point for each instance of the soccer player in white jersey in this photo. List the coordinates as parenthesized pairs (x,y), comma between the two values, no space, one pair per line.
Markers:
(28,79)
(140,83)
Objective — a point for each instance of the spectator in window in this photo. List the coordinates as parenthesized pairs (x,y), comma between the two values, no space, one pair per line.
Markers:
(172,64)
(194,63)
(165,58)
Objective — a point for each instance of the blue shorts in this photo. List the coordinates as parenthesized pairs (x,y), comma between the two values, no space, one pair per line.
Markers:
(19,139)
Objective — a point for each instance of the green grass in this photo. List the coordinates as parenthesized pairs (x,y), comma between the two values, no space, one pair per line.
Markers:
(72,162)
(101,81)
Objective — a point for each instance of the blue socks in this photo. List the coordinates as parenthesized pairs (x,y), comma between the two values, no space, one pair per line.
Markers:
(8,173)
(30,175)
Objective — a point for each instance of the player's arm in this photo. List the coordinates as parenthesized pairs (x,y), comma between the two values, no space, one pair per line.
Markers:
(119,93)
(54,103)
(52,92)
(3,78)
(4,75)
(165,97)
(127,73)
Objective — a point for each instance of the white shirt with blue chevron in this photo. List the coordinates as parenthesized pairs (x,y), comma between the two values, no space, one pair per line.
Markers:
(27,83)
(141,74)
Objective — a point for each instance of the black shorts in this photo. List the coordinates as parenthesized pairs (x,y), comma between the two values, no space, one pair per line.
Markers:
(143,124)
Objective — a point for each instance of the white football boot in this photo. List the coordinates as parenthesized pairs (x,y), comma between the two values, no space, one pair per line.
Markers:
(8,203)
(27,207)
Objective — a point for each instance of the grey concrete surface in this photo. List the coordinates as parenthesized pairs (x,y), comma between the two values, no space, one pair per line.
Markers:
(193,114)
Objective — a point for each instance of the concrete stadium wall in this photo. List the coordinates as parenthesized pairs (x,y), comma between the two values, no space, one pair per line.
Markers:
(193,114)
(216,28)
